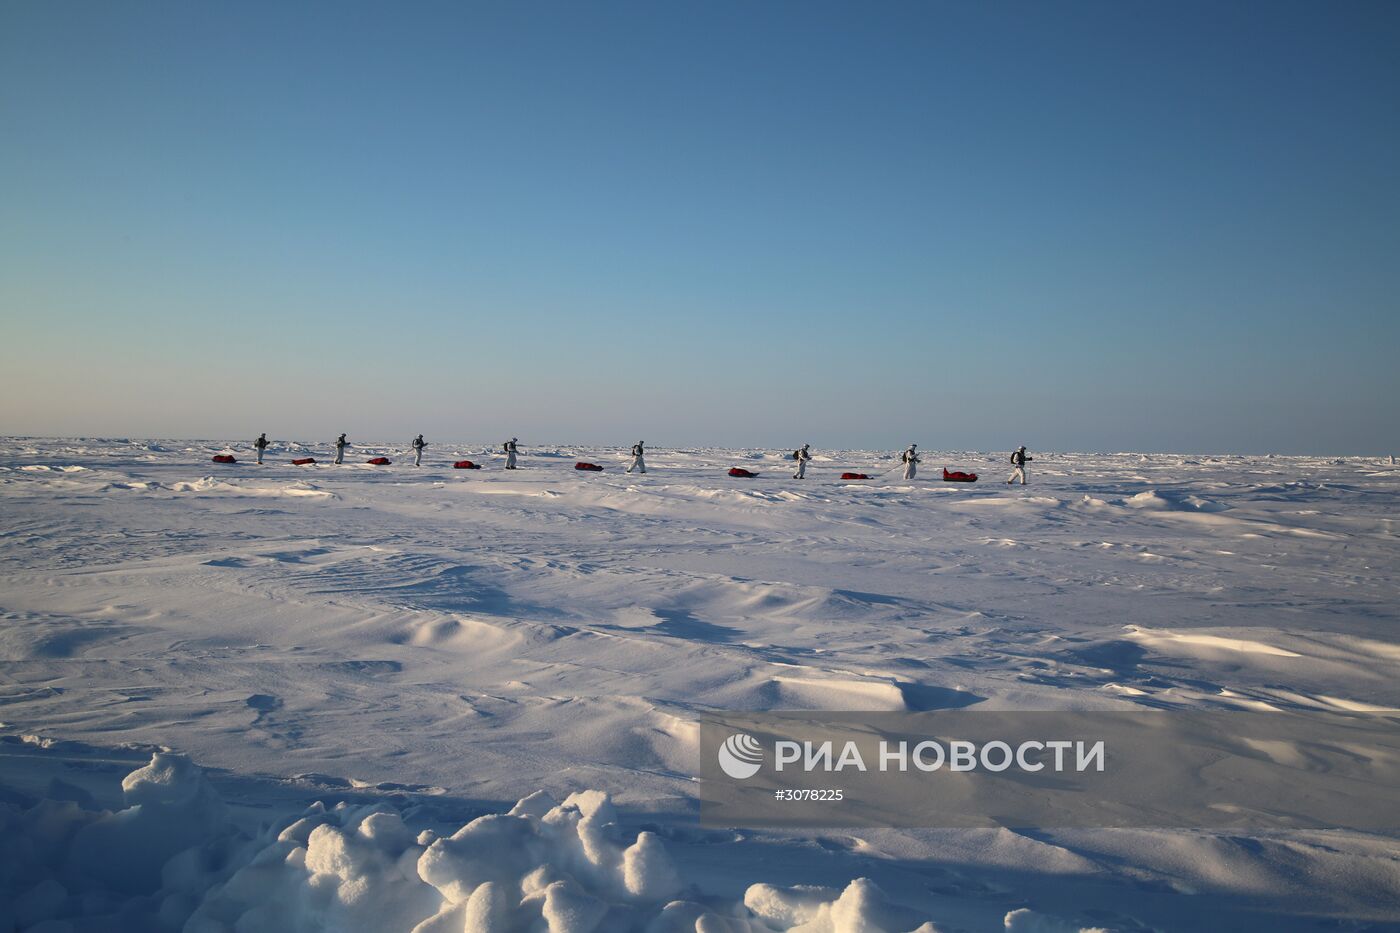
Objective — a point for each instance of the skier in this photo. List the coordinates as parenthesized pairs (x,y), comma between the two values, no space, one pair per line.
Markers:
(910,459)
(261,444)
(1018,460)
(638,452)
(802,456)
(509,448)
(418,446)
(340,445)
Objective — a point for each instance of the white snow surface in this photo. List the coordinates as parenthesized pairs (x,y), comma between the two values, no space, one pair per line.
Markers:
(327,687)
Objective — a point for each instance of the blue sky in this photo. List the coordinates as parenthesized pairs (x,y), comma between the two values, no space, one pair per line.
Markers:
(1079,225)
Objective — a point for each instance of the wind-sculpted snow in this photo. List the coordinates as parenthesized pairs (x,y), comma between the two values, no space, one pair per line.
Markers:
(172,859)
(436,642)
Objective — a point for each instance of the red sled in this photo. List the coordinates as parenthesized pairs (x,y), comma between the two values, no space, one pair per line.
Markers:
(740,471)
(379,461)
(466,465)
(224,458)
(590,467)
(854,476)
(303,461)
(958,476)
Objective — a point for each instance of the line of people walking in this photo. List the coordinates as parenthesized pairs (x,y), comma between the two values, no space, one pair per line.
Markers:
(803,455)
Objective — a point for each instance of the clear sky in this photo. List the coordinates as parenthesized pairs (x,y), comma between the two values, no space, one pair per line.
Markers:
(1074,225)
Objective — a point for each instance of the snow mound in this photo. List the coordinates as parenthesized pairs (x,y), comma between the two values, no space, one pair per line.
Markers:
(1166,501)
(862,906)
(172,858)
(1204,643)
(210,484)
(1028,921)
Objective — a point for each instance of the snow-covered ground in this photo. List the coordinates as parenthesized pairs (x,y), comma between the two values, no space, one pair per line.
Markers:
(417,648)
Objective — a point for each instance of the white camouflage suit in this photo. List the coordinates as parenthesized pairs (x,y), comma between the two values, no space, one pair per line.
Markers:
(911,460)
(1018,463)
(803,456)
(638,458)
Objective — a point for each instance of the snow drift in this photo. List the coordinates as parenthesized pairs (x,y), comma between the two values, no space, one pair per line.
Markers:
(173,859)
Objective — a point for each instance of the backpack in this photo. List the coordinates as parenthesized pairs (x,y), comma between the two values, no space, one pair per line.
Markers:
(797,455)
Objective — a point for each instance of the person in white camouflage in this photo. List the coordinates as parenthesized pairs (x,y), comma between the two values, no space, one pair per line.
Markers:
(910,458)
(802,455)
(1019,461)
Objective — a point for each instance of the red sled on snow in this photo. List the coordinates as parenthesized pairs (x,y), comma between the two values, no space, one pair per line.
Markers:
(466,465)
(958,476)
(740,471)
(379,461)
(224,458)
(303,461)
(590,467)
(854,476)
